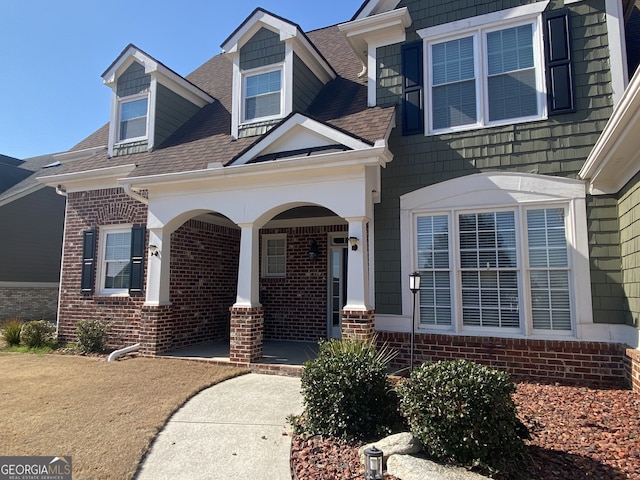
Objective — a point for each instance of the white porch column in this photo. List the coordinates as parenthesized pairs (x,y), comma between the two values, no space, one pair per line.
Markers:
(158,273)
(358,267)
(248,286)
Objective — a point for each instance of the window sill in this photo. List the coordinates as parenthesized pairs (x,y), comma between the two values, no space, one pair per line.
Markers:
(475,127)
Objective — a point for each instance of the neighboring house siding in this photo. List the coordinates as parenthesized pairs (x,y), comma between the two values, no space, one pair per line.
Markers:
(629,211)
(87,210)
(305,85)
(264,48)
(133,81)
(204,275)
(24,256)
(557,146)
(609,303)
(295,306)
(172,111)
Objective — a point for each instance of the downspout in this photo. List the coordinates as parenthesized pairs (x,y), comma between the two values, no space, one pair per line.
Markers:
(136,196)
(122,352)
(60,190)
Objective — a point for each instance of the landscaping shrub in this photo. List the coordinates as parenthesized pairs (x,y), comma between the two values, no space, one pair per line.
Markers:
(37,333)
(464,414)
(92,335)
(345,390)
(11,331)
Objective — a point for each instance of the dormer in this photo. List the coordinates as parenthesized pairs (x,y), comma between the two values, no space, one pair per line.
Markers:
(276,71)
(148,102)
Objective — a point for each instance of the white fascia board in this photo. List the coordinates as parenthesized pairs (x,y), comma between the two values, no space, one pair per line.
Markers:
(251,25)
(88,179)
(330,161)
(378,30)
(75,155)
(305,122)
(166,76)
(376,7)
(523,11)
(615,157)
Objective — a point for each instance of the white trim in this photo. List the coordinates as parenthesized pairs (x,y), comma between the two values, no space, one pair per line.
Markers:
(617,49)
(517,13)
(130,99)
(615,158)
(75,155)
(103,232)
(307,123)
(245,74)
(513,192)
(265,238)
(478,30)
(88,179)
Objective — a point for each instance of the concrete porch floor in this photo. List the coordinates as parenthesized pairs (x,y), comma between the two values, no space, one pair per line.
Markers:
(274,352)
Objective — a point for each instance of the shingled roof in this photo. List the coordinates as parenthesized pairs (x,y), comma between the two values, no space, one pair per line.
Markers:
(206,137)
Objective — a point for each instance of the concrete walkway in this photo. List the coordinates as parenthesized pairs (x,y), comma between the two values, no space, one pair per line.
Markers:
(234,430)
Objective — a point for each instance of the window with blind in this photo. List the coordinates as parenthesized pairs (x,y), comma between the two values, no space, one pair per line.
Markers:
(486,76)
(494,280)
(133,119)
(262,95)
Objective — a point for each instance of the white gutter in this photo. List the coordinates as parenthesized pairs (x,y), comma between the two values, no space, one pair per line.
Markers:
(135,195)
(122,352)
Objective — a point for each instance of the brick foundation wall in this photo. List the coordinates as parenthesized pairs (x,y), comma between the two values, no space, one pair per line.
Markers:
(156,327)
(29,303)
(204,275)
(246,334)
(86,210)
(295,306)
(548,360)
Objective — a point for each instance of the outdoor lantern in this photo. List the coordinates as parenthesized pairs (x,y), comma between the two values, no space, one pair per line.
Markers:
(373,464)
(153,250)
(314,250)
(414,286)
(353,241)
(414,282)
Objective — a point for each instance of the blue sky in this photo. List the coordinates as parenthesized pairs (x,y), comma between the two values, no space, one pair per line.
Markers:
(52,54)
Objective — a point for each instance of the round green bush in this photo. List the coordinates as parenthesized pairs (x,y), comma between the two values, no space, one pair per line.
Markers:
(37,333)
(345,390)
(92,335)
(464,414)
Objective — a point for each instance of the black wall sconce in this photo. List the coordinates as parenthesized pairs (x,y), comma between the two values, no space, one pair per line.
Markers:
(153,251)
(353,241)
(314,250)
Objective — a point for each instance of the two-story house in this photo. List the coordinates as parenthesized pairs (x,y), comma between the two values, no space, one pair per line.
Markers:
(288,187)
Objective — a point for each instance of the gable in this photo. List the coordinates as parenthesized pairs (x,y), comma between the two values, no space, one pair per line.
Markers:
(264,48)
(133,81)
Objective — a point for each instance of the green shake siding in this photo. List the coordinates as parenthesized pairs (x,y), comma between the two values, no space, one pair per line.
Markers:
(557,146)
(264,48)
(172,111)
(629,212)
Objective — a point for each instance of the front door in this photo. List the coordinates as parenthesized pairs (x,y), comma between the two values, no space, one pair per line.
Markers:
(337,283)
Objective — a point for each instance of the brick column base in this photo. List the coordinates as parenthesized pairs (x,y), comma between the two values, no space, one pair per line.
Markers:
(247,325)
(358,324)
(155,329)
(632,368)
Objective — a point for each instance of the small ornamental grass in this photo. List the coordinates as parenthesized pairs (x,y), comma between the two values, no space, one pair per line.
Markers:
(92,335)
(11,331)
(345,390)
(463,413)
(37,334)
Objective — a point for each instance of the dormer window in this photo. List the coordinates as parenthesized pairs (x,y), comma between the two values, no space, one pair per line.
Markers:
(263,95)
(133,119)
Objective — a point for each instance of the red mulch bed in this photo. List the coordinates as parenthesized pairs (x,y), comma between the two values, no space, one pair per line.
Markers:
(577,433)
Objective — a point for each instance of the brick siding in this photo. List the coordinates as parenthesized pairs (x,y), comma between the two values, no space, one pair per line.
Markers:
(29,303)
(546,360)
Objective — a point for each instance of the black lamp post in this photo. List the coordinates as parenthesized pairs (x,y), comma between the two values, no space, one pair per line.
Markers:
(414,286)
(373,464)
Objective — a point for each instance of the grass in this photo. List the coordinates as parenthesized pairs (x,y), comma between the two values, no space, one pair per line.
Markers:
(105,415)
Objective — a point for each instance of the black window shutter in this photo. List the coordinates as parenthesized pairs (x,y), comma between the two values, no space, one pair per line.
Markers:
(560,94)
(136,279)
(412,89)
(88,261)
